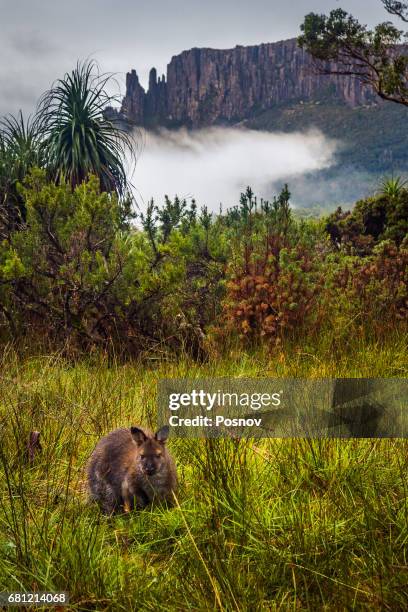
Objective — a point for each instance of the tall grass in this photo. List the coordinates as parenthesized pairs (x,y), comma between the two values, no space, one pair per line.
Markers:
(257,525)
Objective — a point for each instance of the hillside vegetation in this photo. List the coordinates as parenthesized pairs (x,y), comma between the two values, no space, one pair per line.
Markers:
(371,136)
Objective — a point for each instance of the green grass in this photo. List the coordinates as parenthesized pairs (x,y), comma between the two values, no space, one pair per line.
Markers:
(265,525)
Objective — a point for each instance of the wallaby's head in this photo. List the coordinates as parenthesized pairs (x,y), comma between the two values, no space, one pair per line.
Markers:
(151,455)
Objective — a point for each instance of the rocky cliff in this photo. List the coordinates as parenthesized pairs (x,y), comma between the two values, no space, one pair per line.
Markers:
(211,86)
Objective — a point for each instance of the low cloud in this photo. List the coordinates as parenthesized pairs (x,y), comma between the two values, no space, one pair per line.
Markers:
(327,189)
(215,165)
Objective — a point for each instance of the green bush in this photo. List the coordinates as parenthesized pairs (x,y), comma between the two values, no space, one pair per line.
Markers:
(76,274)
(382,217)
(71,273)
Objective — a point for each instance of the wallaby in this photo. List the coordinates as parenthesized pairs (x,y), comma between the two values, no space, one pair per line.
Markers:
(131,468)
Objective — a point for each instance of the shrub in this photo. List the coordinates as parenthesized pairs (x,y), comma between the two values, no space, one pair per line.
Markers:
(273,279)
(380,285)
(73,275)
(77,273)
(368,294)
(372,220)
(274,292)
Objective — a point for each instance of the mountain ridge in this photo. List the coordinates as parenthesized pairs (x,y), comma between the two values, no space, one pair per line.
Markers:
(206,86)
(369,129)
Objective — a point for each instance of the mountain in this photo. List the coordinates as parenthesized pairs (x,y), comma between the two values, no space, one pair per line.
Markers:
(210,86)
(276,87)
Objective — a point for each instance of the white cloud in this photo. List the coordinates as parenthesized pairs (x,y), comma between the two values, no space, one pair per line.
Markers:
(214,165)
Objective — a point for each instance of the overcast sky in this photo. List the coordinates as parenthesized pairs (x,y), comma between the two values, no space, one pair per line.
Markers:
(41,39)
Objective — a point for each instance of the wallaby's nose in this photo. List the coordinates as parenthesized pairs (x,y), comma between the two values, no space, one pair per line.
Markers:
(150,470)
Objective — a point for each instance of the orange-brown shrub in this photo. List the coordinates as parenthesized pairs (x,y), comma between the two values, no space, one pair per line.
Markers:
(272,291)
(381,285)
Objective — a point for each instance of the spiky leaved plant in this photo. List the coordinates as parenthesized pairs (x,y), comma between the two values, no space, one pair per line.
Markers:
(20,150)
(78,137)
(392,187)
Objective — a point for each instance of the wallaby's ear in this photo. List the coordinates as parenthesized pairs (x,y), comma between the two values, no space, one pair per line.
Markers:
(139,436)
(162,434)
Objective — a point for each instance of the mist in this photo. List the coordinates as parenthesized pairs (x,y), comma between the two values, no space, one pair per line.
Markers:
(215,165)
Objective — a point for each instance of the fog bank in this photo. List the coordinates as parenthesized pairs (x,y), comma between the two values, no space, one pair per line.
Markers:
(215,165)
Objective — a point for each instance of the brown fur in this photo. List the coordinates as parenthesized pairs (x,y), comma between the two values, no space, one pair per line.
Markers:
(131,468)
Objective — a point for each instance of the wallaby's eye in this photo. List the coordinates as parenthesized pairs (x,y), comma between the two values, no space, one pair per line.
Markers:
(158,453)
(142,455)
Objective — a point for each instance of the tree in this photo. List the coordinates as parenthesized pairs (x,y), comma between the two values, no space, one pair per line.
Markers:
(397,8)
(79,139)
(343,46)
